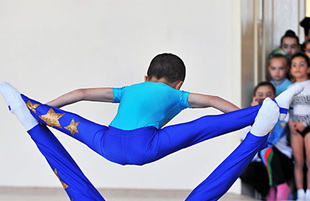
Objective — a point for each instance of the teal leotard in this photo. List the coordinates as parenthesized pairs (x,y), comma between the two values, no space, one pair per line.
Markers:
(147,104)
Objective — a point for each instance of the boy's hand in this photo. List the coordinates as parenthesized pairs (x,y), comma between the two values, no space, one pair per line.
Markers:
(300,126)
(257,101)
(293,127)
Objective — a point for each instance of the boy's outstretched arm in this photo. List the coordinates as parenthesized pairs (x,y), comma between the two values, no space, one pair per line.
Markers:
(202,101)
(90,94)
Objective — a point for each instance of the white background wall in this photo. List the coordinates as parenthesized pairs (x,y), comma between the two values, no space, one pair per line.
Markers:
(50,47)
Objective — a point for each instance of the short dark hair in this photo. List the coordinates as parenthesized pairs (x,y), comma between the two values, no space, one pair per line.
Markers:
(291,34)
(264,84)
(168,66)
(300,54)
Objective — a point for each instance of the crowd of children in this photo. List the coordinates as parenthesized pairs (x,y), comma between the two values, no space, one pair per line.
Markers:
(288,152)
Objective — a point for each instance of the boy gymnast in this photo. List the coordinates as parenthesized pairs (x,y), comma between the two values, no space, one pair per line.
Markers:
(136,135)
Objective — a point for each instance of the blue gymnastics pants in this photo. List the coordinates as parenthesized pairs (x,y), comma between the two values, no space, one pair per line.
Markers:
(144,145)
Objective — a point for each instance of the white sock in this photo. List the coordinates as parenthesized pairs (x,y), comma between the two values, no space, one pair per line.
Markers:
(285,98)
(301,195)
(266,118)
(17,105)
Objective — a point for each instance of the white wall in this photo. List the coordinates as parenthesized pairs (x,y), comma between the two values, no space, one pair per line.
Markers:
(50,47)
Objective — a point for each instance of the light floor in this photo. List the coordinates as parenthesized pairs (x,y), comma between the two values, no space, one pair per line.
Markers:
(53,194)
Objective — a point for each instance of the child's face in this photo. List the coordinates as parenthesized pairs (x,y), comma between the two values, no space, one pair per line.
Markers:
(290,45)
(307,50)
(299,69)
(277,69)
(263,92)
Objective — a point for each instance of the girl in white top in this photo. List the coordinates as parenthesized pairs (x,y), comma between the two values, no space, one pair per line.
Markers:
(300,121)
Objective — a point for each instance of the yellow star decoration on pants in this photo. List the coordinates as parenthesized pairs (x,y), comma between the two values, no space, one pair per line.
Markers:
(31,106)
(52,118)
(63,184)
(73,127)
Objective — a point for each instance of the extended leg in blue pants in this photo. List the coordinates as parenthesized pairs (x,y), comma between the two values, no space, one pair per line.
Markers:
(71,177)
(223,177)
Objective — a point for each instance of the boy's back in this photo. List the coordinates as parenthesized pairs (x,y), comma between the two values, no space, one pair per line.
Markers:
(147,104)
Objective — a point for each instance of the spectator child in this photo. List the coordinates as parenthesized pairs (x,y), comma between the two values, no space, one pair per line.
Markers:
(290,43)
(300,121)
(278,72)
